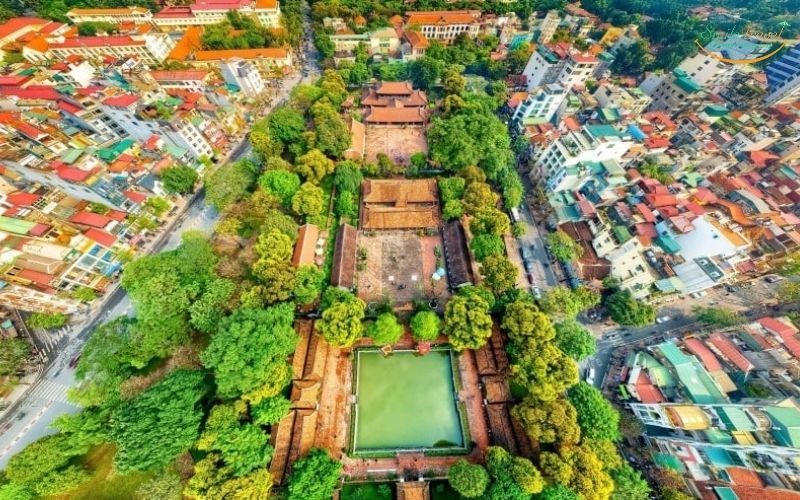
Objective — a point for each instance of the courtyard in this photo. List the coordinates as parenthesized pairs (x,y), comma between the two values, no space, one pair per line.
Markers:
(398,265)
(396,142)
(405,401)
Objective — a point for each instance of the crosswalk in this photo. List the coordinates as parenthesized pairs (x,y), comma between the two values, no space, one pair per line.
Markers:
(47,391)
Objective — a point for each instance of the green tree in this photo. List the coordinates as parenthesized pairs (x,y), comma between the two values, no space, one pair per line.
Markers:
(562,301)
(469,480)
(250,348)
(627,311)
(549,422)
(467,322)
(84,294)
(575,340)
(340,324)
(179,179)
(271,410)
(308,284)
(309,200)
(229,184)
(241,445)
(563,247)
(499,273)
(453,81)
(160,423)
(45,466)
(629,484)
(281,183)
(47,320)
(314,477)
(479,196)
(452,210)
(332,136)
(314,166)
(385,329)
(452,188)
(348,177)
(426,326)
(718,316)
(463,140)
(14,352)
(597,418)
(164,486)
(490,221)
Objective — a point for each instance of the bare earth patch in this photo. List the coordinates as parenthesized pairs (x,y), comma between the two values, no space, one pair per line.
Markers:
(398,143)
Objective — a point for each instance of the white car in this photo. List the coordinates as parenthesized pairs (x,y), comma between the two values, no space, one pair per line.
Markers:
(662,319)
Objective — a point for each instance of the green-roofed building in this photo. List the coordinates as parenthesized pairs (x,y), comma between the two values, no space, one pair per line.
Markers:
(786,425)
(70,156)
(668,244)
(621,234)
(694,379)
(15,226)
(735,419)
(669,462)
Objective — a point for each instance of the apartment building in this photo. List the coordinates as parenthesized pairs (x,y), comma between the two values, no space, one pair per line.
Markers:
(136,15)
(540,106)
(205,12)
(591,143)
(243,75)
(560,64)
(149,48)
(444,26)
(628,100)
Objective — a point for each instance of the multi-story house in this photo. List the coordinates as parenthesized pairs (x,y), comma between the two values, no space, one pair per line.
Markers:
(444,26)
(243,75)
(136,15)
(205,12)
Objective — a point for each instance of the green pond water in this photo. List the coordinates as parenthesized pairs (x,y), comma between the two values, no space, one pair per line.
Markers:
(406,401)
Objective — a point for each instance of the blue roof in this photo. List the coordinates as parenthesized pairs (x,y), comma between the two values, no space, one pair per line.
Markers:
(636,132)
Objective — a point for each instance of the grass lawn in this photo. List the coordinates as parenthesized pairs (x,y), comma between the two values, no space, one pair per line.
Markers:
(104,484)
(367,491)
(441,490)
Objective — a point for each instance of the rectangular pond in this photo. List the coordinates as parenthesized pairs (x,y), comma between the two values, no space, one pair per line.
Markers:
(405,401)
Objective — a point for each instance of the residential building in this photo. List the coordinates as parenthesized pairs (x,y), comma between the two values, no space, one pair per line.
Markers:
(243,75)
(783,77)
(205,12)
(136,15)
(548,26)
(149,48)
(540,106)
(560,64)
(444,26)
(629,100)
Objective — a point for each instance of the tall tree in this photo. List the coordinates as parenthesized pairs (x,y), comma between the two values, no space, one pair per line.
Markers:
(314,477)
(467,322)
(160,423)
(250,349)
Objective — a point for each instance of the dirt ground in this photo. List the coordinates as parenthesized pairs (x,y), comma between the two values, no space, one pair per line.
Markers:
(398,143)
(399,265)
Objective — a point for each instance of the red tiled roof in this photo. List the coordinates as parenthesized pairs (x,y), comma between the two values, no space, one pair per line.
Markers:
(777,326)
(90,219)
(102,237)
(17,23)
(121,101)
(135,197)
(704,353)
(36,276)
(73,174)
(23,199)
